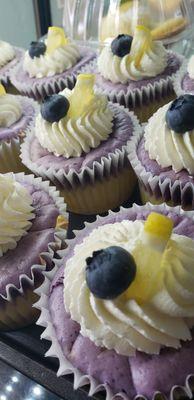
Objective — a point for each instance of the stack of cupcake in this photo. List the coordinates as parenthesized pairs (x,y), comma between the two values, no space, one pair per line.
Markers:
(118,303)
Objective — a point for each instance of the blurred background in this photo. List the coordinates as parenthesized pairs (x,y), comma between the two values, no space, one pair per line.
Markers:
(93,21)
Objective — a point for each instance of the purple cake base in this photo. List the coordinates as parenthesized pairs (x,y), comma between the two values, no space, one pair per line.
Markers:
(19,261)
(122,130)
(143,374)
(187,84)
(182,194)
(39,88)
(136,93)
(18,128)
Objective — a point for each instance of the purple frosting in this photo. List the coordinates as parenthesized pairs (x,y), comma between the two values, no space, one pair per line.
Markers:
(173,65)
(19,261)
(18,128)
(121,133)
(143,374)
(187,84)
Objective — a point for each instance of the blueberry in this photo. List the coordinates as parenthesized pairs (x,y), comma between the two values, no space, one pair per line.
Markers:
(121,45)
(109,272)
(180,115)
(37,49)
(54,108)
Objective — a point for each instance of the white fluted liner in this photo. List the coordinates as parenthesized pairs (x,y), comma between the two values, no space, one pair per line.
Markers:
(55,350)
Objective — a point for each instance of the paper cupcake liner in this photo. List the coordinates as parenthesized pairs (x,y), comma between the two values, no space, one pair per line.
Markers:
(112,162)
(5,71)
(43,87)
(55,350)
(163,189)
(10,149)
(177,79)
(16,304)
(137,97)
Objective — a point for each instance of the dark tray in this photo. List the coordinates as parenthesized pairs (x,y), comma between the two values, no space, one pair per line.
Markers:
(24,351)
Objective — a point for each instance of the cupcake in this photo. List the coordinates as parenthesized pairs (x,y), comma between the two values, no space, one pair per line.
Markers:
(80,143)
(184,79)
(49,66)
(163,157)
(29,237)
(119,311)
(17,114)
(136,72)
(9,58)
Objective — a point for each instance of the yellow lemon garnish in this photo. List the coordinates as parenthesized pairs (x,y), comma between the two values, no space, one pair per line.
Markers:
(62,222)
(82,95)
(148,279)
(55,38)
(2,90)
(159,225)
(141,43)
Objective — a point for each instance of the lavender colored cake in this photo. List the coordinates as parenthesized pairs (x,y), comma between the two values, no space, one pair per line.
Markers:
(6,69)
(162,157)
(141,374)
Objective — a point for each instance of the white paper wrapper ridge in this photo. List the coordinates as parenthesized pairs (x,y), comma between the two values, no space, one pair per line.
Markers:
(155,185)
(6,70)
(137,97)
(10,149)
(13,292)
(104,167)
(55,350)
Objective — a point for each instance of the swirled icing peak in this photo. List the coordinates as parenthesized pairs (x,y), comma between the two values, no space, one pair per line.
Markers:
(10,109)
(86,122)
(15,212)
(145,57)
(56,56)
(7,53)
(165,145)
(157,308)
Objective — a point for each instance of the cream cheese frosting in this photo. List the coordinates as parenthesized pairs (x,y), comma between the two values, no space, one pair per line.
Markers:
(7,53)
(122,69)
(10,110)
(168,148)
(124,324)
(15,212)
(49,64)
(190,67)
(71,137)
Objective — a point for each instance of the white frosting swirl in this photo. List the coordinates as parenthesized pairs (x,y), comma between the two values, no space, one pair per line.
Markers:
(53,63)
(122,324)
(71,137)
(10,110)
(7,53)
(168,148)
(15,212)
(190,67)
(121,69)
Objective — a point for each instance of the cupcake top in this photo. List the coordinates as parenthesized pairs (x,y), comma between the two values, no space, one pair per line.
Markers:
(10,109)
(53,56)
(7,53)
(132,58)
(190,67)
(133,282)
(169,135)
(16,212)
(74,121)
